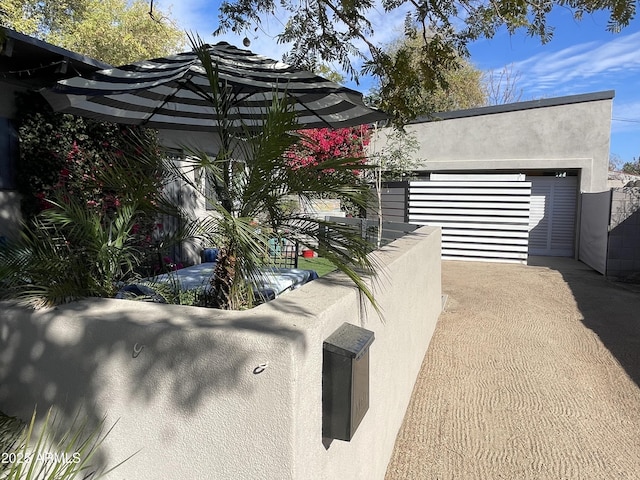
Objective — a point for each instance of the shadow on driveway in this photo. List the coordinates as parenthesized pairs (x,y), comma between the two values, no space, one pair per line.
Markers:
(610,309)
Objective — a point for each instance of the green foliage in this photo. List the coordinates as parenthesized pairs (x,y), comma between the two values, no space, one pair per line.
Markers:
(320,265)
(252,177)
(335,30)
(120,32)
(70,251)
(38,18)
(60,151)
(416,85)
(168,291)
(113,31)
(50,451)
(632,168)
(327,72)
(93,194)
(463,89)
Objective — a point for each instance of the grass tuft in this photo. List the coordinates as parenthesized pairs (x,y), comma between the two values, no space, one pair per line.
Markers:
(322,266)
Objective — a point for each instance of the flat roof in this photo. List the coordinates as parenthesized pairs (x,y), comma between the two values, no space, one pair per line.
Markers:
(514,107)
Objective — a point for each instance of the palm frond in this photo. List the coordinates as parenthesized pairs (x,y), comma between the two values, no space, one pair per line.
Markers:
(69,252)
(53,451)
(252,177)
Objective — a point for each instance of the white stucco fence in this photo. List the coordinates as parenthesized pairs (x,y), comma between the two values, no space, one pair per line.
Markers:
(205,394)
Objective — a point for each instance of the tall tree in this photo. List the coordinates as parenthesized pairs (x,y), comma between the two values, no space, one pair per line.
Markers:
(114,31)
(120,32)
(502,86)
(410,92)
(334,29)
(40,18)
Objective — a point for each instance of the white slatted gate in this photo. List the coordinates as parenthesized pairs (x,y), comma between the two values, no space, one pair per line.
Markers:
(553,215)
(485,220)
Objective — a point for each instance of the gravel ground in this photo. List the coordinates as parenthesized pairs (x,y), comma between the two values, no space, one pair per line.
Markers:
(533,373)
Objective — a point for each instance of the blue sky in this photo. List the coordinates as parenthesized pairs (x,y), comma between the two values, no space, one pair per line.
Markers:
(581,58)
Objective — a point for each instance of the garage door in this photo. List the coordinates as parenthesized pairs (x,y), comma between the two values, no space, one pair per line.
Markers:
(552,215)
(484,219)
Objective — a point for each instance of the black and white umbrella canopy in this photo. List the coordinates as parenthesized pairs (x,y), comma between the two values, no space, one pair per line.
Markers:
(170,93)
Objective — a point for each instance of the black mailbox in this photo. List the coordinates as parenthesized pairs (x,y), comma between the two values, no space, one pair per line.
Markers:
(345,381)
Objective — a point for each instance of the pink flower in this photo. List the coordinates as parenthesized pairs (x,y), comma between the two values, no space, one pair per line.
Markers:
(324,144)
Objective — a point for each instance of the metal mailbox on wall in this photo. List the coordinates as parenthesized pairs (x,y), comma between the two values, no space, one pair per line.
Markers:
(345,381)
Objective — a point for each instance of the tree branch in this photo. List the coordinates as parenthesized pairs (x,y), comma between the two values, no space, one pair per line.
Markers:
(353,27)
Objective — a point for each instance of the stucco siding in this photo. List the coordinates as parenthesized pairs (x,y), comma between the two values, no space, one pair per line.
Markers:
(569,133)
(201,393)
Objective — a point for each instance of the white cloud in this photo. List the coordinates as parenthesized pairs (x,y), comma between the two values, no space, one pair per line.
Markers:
(583,64)
(629,110)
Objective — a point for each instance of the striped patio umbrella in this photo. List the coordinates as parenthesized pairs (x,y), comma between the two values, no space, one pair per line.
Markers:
(171,93)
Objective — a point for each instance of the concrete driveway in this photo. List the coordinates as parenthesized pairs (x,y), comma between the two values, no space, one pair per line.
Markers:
(533,373)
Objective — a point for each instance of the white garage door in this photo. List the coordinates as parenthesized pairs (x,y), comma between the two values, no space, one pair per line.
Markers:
(552,215)
(482,218)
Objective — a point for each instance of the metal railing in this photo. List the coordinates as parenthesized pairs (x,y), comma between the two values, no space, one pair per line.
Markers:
(369,229)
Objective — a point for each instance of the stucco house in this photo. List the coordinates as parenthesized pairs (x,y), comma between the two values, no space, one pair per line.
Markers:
(504,182)
(27,63)
(509,181)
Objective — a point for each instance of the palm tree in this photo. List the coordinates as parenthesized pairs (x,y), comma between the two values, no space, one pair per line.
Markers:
(73,250)
(252,177)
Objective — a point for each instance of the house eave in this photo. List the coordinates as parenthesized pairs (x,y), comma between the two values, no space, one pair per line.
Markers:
(31,63)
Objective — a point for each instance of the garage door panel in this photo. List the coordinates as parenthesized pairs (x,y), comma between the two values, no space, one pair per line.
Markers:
(531,217)
(502,205)
(456,254)
(517,229)
(552,217)
(480,220)
(485,240)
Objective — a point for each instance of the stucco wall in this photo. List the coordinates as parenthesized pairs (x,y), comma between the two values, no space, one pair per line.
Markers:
(572,134)
(10,216)
(7,99)
(623,254)
(193,142)
(9,200)
(183,385)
